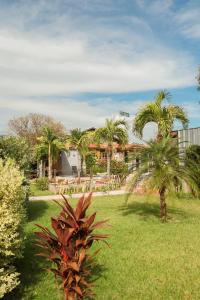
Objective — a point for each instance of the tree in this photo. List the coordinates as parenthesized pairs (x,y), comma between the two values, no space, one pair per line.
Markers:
(113,131)
(17,149)
(163,167)
(51,145)
(90,163)
(30,127)
(80,140)
(192,162)
(163,116)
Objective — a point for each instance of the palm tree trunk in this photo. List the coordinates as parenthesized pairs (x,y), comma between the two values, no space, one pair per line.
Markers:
(109,155)
(163,205)
(83,166)
(49,163)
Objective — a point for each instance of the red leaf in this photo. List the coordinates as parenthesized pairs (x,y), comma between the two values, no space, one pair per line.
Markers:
(100,224)
(74,266)
(81,256)
(77,289)
(90,220)
(87,202)
(79,207)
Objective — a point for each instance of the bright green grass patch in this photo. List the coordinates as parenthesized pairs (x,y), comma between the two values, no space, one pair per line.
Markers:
(147,259)
(34,191)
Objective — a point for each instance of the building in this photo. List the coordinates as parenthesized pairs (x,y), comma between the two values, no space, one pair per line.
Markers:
(69,163)
(187,137)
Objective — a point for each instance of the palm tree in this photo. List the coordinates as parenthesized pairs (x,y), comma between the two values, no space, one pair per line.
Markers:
(192,161)
(160,161)
(49,144)
(163,116)
(80,141)
(113,131)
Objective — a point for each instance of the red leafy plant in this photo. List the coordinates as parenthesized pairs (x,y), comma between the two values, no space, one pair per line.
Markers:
(68,247)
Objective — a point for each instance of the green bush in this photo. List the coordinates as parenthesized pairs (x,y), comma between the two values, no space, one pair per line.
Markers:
(12,219)
(42,183)
(100,167)
(90,163)
(119,167)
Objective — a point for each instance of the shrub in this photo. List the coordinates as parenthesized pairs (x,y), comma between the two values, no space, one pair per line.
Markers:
(90,163)
(42,183)
(68,247)
(119,167)
(12,218)
(100,167)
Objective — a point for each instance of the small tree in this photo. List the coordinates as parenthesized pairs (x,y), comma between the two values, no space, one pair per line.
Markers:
(49,144)
(90,163)
(114,131)
(68,247)
(161,163)
(12,219)
(80,140)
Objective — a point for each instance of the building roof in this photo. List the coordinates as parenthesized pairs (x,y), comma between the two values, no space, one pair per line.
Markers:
(127,147)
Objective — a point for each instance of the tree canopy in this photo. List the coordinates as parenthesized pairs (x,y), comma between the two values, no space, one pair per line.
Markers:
(17,149)
(163,116)
(30,126)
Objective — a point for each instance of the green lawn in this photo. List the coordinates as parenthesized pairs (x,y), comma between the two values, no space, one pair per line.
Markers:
(34,191)
(147,259)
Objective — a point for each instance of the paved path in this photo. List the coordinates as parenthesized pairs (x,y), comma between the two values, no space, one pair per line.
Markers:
(95,194)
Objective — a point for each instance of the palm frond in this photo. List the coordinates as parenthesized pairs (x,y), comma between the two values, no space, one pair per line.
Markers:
(163,116)
(162,95)
(148,113)
(178,113)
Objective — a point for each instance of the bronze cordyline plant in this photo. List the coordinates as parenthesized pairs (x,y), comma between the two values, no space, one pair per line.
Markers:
(68,247)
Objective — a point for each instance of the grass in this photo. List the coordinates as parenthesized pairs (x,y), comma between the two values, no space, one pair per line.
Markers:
(36,192)
(147,259)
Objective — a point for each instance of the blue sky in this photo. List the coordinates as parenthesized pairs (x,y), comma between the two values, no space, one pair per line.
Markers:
(82,61)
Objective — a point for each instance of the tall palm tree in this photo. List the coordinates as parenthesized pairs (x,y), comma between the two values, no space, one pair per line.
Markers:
(113,131)
(49,144)
(80,140)
(161,163)
(163,116)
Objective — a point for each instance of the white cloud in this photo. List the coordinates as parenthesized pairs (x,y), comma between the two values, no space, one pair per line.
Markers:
(188,19)
(73,113)
(47,48)
(58,51)
(33,66)
(192,109)
(156,6)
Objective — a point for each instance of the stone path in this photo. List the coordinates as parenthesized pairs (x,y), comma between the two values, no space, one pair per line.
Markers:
(59,197)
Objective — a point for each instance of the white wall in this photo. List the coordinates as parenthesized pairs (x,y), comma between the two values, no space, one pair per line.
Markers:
(68,160)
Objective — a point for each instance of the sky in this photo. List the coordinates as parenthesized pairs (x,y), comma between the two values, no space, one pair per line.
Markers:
(81,61)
